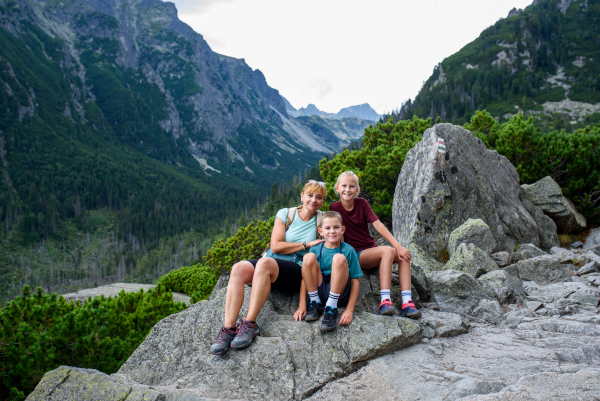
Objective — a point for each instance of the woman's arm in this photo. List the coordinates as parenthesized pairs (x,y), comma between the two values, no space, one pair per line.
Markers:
(402,252)
(278,244)
(349,312)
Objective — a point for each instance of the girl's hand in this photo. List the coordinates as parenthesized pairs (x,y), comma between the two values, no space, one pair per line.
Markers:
(300,313)
(402,253)
(346,317)
(314,243)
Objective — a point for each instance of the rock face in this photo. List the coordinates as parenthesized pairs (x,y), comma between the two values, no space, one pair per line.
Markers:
(457,292)
(547,195)
(593,239)
(506,288)
(472,260)
(473,231)
(542,270)
(441,187)
(112,290)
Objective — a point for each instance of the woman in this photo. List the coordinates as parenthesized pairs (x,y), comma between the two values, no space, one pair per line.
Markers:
(280,269)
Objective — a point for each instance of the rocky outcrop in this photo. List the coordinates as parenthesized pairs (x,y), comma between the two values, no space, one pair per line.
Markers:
(506,287)
(473,231)
(543,270)
(547,195)
(449,177)
(472,260)
(112,290)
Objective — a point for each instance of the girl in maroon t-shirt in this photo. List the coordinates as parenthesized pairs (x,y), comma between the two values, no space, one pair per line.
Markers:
(356,213)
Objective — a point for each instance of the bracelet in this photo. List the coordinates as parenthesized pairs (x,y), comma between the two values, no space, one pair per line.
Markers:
(304,245)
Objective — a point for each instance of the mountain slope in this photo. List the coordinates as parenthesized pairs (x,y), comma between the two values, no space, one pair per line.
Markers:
(543,60)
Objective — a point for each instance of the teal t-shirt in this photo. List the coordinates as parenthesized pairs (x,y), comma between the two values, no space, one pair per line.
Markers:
(325,259)
(299,231)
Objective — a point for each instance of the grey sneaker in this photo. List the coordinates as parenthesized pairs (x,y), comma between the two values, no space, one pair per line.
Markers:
(226,335)
(315,310)
(329,321)
(245,334)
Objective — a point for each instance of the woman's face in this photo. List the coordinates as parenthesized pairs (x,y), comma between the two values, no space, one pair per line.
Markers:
(312,201)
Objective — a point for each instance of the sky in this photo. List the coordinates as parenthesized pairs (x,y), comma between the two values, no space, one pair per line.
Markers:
(340,53)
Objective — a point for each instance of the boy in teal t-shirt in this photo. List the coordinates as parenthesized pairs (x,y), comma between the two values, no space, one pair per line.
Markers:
(330,272)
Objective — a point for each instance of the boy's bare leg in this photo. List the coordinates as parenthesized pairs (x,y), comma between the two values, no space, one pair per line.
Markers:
(241,273)
(339,273)
(311,273)
(382,256)
(403,273)
(265,274)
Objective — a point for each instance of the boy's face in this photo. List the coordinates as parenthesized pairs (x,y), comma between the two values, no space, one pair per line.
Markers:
(332,230)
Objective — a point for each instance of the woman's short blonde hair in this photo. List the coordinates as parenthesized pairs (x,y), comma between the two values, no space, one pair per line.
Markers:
(315,188)
(351,174)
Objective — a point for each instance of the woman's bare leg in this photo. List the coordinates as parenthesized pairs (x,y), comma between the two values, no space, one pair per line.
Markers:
(241,273)
(266,272)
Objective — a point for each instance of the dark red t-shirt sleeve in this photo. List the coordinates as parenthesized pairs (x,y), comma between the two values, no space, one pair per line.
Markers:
(370,216)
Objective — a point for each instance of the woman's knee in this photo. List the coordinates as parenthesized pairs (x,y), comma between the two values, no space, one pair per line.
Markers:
(266,266)
(242,271)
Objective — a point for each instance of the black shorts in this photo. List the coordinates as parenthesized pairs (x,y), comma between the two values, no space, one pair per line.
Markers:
(325,288)
(289,278)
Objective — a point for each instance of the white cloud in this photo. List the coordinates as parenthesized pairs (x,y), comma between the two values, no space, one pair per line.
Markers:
(338,53)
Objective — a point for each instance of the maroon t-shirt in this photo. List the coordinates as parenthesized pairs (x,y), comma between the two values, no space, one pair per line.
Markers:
(357,231)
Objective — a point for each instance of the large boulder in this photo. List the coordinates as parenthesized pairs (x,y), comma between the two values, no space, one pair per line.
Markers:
(593,240)
(441,187)
(457,292)
(507,288)
(472,231)
(288,360)
(547,195)
(472,260)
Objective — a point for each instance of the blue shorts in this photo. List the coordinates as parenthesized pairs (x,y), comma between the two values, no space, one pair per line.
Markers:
(325,288)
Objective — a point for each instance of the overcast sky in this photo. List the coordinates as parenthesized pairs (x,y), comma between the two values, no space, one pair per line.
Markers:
(339,53)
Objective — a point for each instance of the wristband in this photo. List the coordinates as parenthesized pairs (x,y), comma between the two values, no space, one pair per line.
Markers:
(304,245)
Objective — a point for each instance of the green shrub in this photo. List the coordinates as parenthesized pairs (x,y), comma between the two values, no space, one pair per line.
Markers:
(378,163)
(248,243)
(40,332)
(197,281)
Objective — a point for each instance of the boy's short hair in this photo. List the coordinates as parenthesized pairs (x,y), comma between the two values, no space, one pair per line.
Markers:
(331,215)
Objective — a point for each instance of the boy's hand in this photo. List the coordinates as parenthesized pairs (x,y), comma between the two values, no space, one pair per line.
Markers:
(402,252)
(346,317)
(300,313)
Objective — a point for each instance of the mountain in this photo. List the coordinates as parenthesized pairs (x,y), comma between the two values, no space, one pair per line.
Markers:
(543,61)
(363,111)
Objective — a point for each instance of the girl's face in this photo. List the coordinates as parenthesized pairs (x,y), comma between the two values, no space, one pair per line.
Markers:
(312,201)
(347,187)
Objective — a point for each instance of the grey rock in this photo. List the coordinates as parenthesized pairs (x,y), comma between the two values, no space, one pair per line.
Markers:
(288,360)
(488,311)
(501,258)
(547,195)
(546,226)
(457,292)
(67,383)
(557,249)
(552,295)
(594,280)
(112,290)
(534,305)
(542,269)
(589,257)
(534,250)
(472,260)
(486,361)
(472,231)
(593,239)
(513,318)
(437,192)
(443,323)
(591,267)
(560,325)
(576,245)
(530,286)
(507,288)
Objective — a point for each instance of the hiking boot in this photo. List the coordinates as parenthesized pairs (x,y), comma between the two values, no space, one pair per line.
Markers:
(409,310)
(386,308)
(226,335)
(329,321)
(245,334)
(315,310)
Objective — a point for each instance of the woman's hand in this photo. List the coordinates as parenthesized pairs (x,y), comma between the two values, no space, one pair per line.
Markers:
(316,242)
(300,313)
(346,317)
(403,253)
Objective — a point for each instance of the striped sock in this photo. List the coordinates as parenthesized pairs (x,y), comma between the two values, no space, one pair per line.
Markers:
(385,294)
(333,299)
(314,296)
(406,296)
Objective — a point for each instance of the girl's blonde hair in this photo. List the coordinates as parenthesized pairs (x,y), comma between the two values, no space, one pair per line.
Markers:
(315,188)
(347,173)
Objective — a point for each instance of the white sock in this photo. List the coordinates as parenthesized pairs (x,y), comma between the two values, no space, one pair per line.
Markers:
(406,296)
(385,294)
(333,299)
(314,296)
